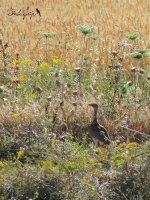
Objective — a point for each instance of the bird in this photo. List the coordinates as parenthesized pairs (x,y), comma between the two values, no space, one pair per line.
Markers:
(96,131)
(38,12)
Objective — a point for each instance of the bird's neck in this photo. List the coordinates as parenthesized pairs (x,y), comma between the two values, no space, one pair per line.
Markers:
(95,116)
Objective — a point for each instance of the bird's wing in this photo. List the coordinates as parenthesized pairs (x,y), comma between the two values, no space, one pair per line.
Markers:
(103,132)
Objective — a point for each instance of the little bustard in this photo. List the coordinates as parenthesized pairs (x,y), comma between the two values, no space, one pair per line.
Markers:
(97,132)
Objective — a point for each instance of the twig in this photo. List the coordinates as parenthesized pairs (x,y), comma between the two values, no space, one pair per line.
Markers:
(136,132)
(148,152)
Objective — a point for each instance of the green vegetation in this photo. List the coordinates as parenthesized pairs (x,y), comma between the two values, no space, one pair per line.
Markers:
(45,150)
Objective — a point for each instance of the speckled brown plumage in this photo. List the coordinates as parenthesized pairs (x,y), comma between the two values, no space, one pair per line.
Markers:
(97,132)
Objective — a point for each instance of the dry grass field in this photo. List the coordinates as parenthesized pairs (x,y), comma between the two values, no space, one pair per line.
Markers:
(112,18)
(51,67)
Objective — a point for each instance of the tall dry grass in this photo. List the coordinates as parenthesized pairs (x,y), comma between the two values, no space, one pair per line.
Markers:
(111,17)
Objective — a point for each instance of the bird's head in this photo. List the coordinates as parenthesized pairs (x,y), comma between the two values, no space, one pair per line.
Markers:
(94,105)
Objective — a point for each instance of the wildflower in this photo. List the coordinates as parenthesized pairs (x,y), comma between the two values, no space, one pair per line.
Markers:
(120,59)
(139,54)
(57,61)
(74,103)
(1,89)
(86,29)
(132,36)
(68,85)
(131,145)
(114,53)
(26,62)
(49,98)
(147,53)
(130,83)
(16,81)
(136,55)
(15,115)
(133,69)
(77,69)
(23,77)
(141,71)
(58,83)
(16,62)
(1,163)
(95,37)
(37,90)
(110,66)
(46,34)
(75,92)
(44,68)
(85,180)
(127,155)
(20,153)
(118,66)
(54,57)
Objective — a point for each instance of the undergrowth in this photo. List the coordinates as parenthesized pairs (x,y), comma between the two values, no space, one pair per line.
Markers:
(45,151)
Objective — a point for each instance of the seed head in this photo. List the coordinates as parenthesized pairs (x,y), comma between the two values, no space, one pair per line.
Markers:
(38,89)
(1,89)
(118,66)
(75,92)
(62,103)
(86,29)
(77,69)
(17,81)
(114,53)
(110,66)
(130,83)
(58,83)
(141,71)
(148,78)
(68,85)
(49,98)
(74,103)
(120,59)
(133,69)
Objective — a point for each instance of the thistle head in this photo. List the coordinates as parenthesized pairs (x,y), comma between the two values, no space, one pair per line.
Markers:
(86,29)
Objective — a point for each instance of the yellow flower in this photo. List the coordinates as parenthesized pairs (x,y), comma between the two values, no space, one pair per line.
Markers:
(127,156)
(16,62)
(15,115)
(26,62)
(85,180)
(20,153)
(131,145)
(54,57)
(44,67)
(57,61)
(23,77)
(1,163)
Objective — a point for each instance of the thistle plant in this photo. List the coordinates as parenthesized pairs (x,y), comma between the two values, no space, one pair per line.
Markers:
(132,36)
(3,49)
(46,35)
(86,29)
(138,55)
(95,37)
